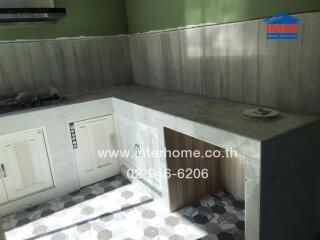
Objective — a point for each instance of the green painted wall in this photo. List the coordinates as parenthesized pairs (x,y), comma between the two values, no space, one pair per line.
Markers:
(146,15)
(110,17)
(85,18)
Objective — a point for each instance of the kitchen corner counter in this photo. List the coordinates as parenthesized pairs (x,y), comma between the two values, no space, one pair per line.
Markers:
(278,152)
(224,115)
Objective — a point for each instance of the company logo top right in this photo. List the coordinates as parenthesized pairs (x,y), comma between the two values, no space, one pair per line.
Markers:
(282,26)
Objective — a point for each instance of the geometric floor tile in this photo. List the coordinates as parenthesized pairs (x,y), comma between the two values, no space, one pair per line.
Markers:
(221,216)
(125,211)
(55,205)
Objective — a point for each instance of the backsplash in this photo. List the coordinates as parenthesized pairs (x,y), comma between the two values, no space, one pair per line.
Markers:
(71,65)
(228,61)
(234,62)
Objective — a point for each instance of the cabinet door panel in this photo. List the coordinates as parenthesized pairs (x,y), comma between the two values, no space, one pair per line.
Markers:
(102,137)
(142,140)
(27,168)
(3,194)
(154,162)
(146,157)
(127,131)
(94,138)
(149,143)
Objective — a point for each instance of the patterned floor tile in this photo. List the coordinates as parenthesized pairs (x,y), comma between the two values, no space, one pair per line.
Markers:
(59,204)
(127,213)
(221,216)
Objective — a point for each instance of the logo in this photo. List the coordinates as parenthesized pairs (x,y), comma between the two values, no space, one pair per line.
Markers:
(282,26)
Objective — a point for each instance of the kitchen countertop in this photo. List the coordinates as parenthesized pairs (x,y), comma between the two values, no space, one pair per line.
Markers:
(213,112)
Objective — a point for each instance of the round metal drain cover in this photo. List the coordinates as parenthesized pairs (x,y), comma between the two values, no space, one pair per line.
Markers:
(261,113)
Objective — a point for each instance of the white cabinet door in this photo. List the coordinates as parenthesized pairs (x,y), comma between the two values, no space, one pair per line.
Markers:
(142,151)
(133,138)
(3,194)
(149,155)
(96,143)
(143,143)
(127,131)
(26,169)
(154,161)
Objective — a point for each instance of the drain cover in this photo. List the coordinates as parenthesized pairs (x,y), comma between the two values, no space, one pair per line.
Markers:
(261,113)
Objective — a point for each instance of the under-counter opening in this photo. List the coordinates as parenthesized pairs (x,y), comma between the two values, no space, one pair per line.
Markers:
(226,173)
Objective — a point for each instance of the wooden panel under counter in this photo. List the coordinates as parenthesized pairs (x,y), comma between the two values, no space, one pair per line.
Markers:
(224,173)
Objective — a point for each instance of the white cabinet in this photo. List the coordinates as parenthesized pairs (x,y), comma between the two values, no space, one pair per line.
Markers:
(142,141)
(3,194)
(95,144)
(25,166)
(147,153)
(127,131)
(154,162)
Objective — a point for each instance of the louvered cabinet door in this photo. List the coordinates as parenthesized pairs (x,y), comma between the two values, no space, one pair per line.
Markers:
(26,168)
(96,144)
(3,194)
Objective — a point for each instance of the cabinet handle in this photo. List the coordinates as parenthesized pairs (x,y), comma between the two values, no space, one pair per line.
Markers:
(104,165)
(3,170)
(138,149)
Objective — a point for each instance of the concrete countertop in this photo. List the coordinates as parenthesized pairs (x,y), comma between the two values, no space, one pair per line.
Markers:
(213,112)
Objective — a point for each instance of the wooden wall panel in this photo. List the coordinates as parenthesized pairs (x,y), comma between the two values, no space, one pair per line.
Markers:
(234,62)
(71,65)
(225,174)
(233,175)
(184,191)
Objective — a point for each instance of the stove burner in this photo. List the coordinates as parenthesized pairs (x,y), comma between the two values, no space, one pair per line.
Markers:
(41,97)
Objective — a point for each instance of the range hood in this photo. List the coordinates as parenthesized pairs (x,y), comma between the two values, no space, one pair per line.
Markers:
(27,15)
(28,11)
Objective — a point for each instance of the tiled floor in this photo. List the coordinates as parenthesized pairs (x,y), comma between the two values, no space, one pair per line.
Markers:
(58,204)
(116,209)
(220,216)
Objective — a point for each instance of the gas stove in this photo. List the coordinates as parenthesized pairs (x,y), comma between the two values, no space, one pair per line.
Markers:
(42,97)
